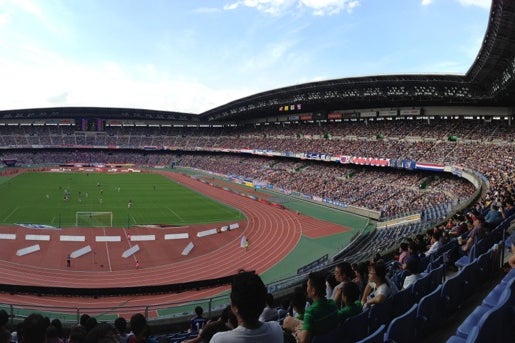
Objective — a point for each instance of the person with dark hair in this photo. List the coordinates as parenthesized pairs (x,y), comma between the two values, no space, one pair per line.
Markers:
(330,284)
(120,324)
(102,333)
(5,335)
(34,329)
(412,267)
(322,316)
(139,329)
(493,218)
(52,335)
(4,318)
(77,334)
(361,279)
(225,322)
(90,324)
(83,319)
(198,321)
(477,232)
(378,288)
(343,273)
(269,312)
(403,253)
(351,303)
(436,244)
(248,298)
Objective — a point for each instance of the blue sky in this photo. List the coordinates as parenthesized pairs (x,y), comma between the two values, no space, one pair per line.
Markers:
(193,55)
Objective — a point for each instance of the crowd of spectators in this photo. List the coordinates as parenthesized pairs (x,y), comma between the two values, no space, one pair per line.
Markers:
(36,328)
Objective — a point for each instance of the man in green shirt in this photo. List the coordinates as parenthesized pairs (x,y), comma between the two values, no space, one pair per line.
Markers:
(322,316)
(351,303)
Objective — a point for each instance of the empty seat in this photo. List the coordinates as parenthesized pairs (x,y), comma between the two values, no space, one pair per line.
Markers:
(375,337)
(430,312)
(421,287)
(452,293)
(403,329)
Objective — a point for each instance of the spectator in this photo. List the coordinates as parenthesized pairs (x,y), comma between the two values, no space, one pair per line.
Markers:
(5,335)
(321,317)
(4,318)
(34,329)
(198,321)
(493,217)
(139,329)
(507,210)
(330,284)
(52,335)
(282,311)
(83,319)
(227,321)
(77,334)
(90,323)
(511,259)
(476,233)
(403,253)
(297,309)
(361,279)
(120,324)
(352,304)
(435,242)
(343,273)
(378,288)
(269,312)
(248,297)
(413,273)
(102,333)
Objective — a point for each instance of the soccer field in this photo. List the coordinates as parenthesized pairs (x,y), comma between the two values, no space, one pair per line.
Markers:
(55,199)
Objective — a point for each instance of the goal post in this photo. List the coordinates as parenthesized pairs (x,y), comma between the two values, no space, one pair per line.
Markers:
(93,219)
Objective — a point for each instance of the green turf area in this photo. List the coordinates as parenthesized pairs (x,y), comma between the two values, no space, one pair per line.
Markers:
(38,198)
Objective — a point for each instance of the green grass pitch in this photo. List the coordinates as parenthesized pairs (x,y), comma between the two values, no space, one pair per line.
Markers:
(39,198)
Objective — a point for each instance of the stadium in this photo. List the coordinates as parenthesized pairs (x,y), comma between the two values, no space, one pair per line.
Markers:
(116,211)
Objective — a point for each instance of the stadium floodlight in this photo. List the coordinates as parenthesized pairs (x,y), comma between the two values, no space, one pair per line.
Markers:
(93,219)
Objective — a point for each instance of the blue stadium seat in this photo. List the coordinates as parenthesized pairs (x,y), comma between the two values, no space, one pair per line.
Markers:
(492,299)
(356,327)
(485,266)
(421,287)
(452,293)
(464,260)
(470,274)
(375,337)
(402,301)
(335,335)
(436,275)
(381,314)
(507,297)
(403,329)
(430,312)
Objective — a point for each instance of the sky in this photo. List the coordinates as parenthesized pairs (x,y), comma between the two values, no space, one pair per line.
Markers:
(194,55)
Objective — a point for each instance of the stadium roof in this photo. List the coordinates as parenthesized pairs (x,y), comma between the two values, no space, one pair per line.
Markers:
(488,82)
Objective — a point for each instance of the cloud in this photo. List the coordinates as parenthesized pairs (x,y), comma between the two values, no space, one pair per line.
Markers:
(280,7)
(4,18)
(51,80)
(426,2)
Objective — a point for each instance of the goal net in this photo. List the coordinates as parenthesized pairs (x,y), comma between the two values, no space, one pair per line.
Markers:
(94,219)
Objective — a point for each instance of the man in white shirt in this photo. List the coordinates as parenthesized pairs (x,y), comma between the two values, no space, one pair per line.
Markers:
(248,296)
(435,243)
